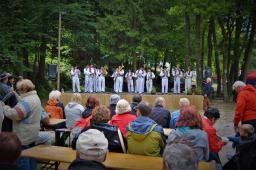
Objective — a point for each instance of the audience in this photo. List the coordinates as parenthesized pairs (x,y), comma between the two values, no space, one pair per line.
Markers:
(189,129)
(114,98)
(54,106)
(74,110)
(179,156)
(136,99)
(123,116)
(176,114)
(144,135)
(26,119)
(99,121)
(160,114)
(91,148)
(10,150)
(91,103)
(245,111)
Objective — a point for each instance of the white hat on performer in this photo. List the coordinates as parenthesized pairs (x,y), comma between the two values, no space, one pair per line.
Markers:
(123,107)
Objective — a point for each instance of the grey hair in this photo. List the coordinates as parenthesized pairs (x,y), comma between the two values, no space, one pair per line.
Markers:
(184,102)
(54,95)
(159,101)
(179,156)
(238,84)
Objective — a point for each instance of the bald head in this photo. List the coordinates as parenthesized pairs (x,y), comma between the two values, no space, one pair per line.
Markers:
(160,101)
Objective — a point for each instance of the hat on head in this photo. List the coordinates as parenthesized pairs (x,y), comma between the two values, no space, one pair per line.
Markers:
(92,144)
(4,76)
(114,99)
(123,106)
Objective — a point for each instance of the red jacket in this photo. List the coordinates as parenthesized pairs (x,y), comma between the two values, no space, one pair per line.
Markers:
(121,121)
(215,145)
(246,105)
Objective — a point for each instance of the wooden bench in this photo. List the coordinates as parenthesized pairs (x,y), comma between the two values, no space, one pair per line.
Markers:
(114,161)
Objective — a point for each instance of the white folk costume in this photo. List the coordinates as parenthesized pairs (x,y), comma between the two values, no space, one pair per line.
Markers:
(164,74)
(188,81)
(101,80)
(91,79)
(119,80)
(149,82)
(129,77)
(140,80)
(86,79)
(75,80)
(177,73)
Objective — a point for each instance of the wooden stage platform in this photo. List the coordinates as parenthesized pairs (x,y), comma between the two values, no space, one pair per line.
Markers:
(172,101)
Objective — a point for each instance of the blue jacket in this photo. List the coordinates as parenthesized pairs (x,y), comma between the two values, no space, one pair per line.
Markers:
(174,118)
(207,89)
(161,115)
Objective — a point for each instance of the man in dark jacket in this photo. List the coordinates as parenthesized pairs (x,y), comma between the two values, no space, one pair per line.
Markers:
(160,114)
(136,99)
(92,148)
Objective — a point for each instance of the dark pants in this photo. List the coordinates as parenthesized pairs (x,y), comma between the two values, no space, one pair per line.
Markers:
(26,163)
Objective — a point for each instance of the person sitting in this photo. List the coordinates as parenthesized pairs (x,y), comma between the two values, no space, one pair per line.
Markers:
(74,110)
(10,150)
(136,99)
(144,135)
(53,105)
(179,156)
(99,121)
(215,143)
(189,129)
(160,114)
(123,116)
(26,119)
(91,151)
(176,114)
(113,101)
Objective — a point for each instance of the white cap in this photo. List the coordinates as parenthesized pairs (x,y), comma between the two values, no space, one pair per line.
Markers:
(123,106)
(92,144)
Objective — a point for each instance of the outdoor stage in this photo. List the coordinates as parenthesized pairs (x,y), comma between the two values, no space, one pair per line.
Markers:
(172,101)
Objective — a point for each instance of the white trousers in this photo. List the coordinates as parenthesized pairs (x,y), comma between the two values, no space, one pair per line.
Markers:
(130,85)
(149,85)
(86,84)
(119,84)
(76,85)
(137,85)
(188,84)
(90,84)
(177,85)
(141,82)
(95,84)
(101,84)
(164,85)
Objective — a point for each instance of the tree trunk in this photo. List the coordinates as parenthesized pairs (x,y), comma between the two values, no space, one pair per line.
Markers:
(217,63)
(209,43)
(202,53)
(187,41)
(198,52)
(225,59)
(41,67)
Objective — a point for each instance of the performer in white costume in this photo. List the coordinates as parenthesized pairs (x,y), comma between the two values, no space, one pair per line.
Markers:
(91,78)
(177,73)
(96,80)
(129,77)
(86,79)
(141,73)
(119,79)
(101,80)
(149,82)
(164,74)
(75,72)
(188,80)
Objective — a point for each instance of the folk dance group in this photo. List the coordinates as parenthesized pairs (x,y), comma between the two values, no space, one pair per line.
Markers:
(95,79)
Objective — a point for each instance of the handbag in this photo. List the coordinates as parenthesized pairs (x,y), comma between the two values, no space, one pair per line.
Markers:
(121,140)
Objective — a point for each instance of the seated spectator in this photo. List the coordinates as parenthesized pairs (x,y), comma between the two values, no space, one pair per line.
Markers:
(10,150)
(54,106)
(215,143)
(144,136)
(44,137)
(136,99)
(160,114)
(92,148)
(74,110)
(179,157)
(189,129)
(99,121)
(123,116)
(10,82)
(113,101)
(176,114)
(26,119)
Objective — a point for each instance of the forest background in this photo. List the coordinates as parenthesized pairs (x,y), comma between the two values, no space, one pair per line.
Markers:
(215,33)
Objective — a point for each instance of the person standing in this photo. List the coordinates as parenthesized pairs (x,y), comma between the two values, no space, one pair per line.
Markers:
(164,74)
(207,93)
(96,80)
(75,72)
(119,79)
(149,83)
(114,76)
(140,80)
(177,74)
(129,77)
(86,79)
(91,78)
(188,80)
(102,73)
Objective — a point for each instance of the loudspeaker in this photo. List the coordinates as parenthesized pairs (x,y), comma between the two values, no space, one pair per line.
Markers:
(52,71)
